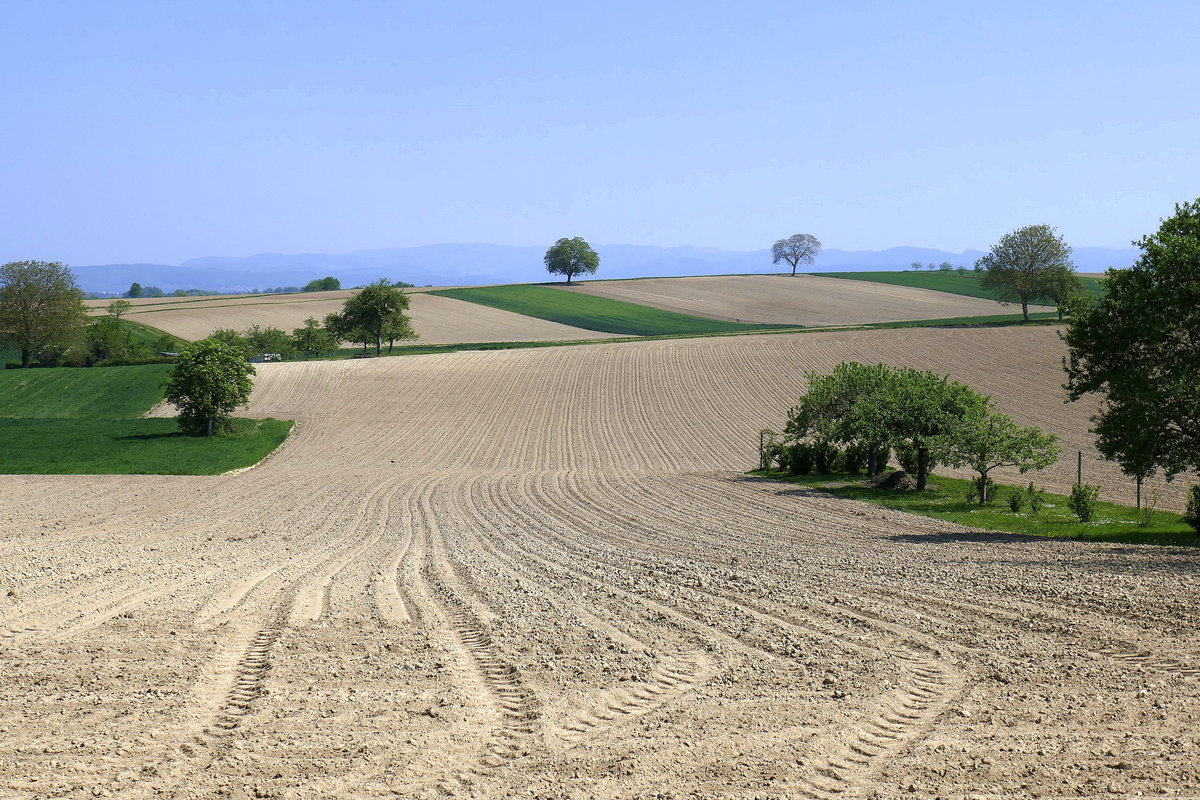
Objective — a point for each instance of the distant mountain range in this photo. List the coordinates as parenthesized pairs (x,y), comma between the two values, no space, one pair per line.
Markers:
(477,264)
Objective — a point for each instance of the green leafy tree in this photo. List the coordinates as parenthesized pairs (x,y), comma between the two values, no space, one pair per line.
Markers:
(260,340)
(830,409)
(920,410)
(40,305)
(797,249)
(312,340)
(135,290)
(1020,266)
(1062,286)
(118,307)
(107,340)
(571,257)
(986,440)
(946,266)
(373,315)
(1139,347)
(326,284)
(234,339)
(210,380)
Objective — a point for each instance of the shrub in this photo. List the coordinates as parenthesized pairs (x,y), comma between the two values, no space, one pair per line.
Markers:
(800,458)
(1037,497)
(825,457)
(907,456)
(975,487)
(1082,501)
(1192,515)
(1016,499)
(854,460)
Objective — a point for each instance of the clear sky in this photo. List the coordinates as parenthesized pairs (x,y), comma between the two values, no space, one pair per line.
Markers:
(159,131)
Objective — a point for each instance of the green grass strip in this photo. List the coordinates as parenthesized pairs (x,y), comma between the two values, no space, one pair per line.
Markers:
(88,421)
(967,285)
(595,313)
(1112,522)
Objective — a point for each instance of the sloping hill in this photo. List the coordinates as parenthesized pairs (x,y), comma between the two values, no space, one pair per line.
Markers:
(801,300)
(438,320)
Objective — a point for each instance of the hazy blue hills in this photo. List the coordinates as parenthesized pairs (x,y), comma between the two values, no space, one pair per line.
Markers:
(477,264)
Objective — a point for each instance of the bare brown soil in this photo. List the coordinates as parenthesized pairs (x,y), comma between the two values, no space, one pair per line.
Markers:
(801,300)
(438,320)
(542,574)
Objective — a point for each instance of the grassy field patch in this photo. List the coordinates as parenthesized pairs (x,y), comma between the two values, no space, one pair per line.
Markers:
(595,313)
(1112,523)
(88,421)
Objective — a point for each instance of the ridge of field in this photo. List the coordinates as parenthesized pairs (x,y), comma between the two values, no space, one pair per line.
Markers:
(968,284)
(89,421)
(595,310)
(805,300)
(542,572)
(437,320)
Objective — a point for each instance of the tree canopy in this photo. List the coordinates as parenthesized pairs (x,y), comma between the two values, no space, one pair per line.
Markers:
(880,407)
(312,339)
(1024,264)
(373,315)
(571,257)
(40,305)
(1139,347)
(209,381)
(797,249)
(326,284)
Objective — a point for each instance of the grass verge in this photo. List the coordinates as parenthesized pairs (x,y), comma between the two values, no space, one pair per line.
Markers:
(596,313)
(88,422)
(950,282)
(1112,523)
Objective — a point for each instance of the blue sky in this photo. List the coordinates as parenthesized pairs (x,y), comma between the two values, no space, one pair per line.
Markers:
(159,131)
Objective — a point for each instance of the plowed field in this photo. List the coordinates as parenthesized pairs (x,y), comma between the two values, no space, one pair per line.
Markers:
(438,320)
(800,300)
(542,574)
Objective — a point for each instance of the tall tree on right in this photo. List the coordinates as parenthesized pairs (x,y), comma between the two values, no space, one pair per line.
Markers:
(797,249)
(1139,347)
(1020,266)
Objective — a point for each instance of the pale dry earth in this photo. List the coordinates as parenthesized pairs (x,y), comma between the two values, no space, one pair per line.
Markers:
(436,319)
(542,573)
(801,300)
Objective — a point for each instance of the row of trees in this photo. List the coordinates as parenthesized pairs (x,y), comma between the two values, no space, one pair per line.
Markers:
(878,408)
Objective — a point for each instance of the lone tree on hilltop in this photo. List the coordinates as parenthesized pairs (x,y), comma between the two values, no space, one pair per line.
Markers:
(797,249)
(209,381)
(374,314)
(40,305)
(1139,347)
(571,257)
(1022,265)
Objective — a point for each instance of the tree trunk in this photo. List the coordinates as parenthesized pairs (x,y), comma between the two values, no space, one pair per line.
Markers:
(208,427)
(983,487)
(25,356)
(922,468)
(872,461)
(568,279)
(379,345)
(794,268)
(1025,308)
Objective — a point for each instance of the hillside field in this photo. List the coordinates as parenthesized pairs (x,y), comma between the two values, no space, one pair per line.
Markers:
(807,300)
(545,573)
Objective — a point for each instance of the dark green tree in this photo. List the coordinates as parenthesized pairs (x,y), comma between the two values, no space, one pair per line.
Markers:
(40,305)
(135,290)
(210,380)
(326,284)
(373,315)
(1019,266)
(571,257)
(312,340)
(1062,286)
(1139,347)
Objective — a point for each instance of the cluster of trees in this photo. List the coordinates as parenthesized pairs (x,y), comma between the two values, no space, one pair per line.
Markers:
(929,419)
(137,290)
(945,266)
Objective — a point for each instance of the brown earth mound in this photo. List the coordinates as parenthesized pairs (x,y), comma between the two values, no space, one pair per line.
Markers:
(894,479)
